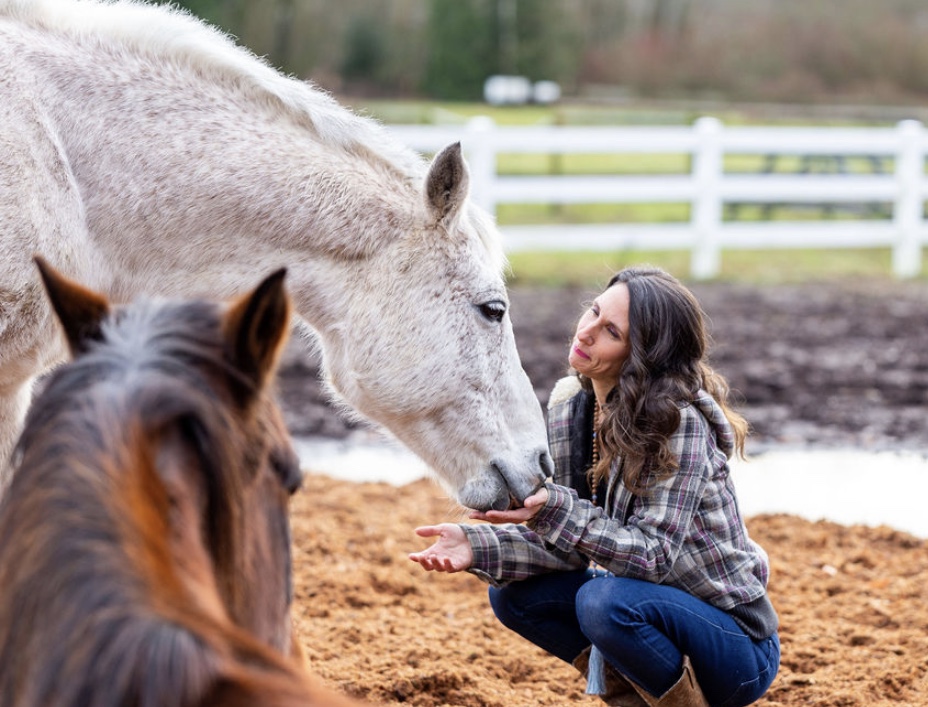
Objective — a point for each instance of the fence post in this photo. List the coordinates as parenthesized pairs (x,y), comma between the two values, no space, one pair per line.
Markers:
(481,158)
(706,217)
(907,211)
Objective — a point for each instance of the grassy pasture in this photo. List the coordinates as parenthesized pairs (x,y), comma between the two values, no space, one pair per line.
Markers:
(760,267)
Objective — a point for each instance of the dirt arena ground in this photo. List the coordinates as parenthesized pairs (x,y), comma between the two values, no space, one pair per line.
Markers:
(815,366)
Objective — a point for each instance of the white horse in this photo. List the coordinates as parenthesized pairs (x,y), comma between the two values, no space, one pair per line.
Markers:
(142,151)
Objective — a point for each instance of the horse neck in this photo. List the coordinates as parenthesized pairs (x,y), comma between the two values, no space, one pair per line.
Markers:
(209,164)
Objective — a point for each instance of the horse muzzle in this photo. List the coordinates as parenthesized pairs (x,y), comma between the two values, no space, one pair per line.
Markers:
(504,485)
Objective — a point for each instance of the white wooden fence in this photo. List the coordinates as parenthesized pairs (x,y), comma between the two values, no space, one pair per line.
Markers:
(708,188)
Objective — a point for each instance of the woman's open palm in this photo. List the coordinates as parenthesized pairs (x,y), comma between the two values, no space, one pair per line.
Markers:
(450,553)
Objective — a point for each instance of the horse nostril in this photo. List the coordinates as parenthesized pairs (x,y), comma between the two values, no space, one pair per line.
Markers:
(545,464)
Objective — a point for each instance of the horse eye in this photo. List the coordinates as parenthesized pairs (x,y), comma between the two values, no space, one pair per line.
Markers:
(493,311)
(286,466)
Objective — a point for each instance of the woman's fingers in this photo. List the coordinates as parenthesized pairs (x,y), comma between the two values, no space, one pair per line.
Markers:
(449,553)
(421,559)
(431,562)
(429,558)
(517,515)
(537,499)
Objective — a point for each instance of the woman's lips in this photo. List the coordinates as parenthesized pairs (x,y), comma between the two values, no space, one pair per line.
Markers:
(580,353)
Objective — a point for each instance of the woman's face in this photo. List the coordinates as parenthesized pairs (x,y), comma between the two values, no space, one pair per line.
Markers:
(600,346)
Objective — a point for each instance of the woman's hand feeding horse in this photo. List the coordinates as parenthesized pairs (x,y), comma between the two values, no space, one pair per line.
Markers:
(145,153)
(144,538)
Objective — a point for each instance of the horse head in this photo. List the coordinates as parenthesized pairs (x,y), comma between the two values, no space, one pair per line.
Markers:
(197,377)
(424,346)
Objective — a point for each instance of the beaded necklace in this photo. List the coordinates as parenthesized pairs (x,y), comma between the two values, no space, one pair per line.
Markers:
(597,419)
(598,571)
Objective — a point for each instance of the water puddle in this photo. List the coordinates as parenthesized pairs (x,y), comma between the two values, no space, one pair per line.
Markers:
(845,486)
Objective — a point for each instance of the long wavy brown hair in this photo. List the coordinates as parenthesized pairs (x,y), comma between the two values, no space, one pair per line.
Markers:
(667,365)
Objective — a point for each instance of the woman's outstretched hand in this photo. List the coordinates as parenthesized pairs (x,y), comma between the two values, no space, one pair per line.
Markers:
(450,553)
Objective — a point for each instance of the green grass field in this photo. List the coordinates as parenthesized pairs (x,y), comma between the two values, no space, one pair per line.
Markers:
(761,267)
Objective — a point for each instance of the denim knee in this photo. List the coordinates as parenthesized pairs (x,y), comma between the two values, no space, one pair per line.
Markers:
(543,612)
(598,610)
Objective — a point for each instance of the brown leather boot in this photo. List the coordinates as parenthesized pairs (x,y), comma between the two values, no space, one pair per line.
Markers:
(684,693)
(619,691)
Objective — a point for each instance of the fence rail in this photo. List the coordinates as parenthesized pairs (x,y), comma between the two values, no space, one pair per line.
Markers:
(708,188)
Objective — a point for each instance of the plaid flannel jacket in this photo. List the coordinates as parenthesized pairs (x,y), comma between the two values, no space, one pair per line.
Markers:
(687,533)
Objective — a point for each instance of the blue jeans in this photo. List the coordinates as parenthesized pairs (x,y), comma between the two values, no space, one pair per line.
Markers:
(643,630)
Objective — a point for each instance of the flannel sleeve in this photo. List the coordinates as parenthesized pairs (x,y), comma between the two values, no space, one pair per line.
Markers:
(508,553)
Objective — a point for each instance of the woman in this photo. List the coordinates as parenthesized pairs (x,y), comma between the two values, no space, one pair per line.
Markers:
(634,563)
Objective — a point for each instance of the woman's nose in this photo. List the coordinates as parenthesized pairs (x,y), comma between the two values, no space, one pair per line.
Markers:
(585,334)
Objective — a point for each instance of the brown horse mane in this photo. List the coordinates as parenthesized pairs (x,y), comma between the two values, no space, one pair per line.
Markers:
(105,530)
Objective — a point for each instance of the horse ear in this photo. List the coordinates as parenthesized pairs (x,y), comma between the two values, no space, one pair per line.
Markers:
(256,328)
(80,311)
(447,183)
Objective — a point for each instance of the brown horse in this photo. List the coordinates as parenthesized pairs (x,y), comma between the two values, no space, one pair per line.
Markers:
(144,539)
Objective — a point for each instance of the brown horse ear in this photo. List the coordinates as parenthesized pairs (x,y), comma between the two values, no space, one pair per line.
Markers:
(80,310)
(447,182)
(256,328)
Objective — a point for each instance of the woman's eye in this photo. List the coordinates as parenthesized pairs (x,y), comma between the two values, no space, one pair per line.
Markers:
(493,311)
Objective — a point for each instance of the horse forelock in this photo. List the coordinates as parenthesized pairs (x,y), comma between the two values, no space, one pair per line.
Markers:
(171,33)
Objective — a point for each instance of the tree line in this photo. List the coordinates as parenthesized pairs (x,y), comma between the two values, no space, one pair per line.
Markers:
(777,50)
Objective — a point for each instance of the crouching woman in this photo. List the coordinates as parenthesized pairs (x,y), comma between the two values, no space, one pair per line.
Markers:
(634,563)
